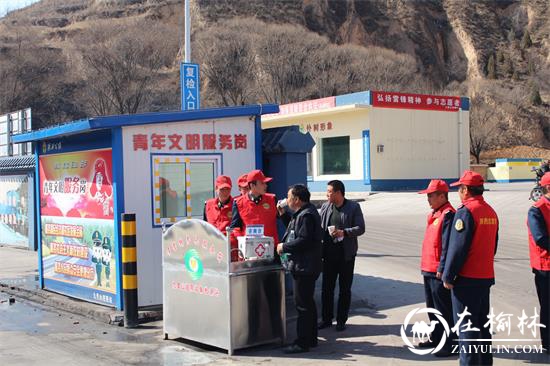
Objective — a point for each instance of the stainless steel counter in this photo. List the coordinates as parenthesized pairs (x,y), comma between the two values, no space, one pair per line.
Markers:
(211,300)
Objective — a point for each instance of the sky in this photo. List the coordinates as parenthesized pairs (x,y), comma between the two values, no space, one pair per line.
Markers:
(9,5)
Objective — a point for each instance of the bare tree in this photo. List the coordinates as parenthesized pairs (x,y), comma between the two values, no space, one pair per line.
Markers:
(31,77)
(338,70)
(484,129)
(287,57)
(119,70)
(228,62)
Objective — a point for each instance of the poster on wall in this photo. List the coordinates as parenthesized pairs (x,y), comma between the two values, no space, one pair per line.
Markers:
(14,206)
(77,217)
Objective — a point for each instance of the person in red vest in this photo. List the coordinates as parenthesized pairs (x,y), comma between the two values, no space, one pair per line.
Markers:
(243,189)
(257,206)
(243,184)
(469,269)
(434,251)
(217,211)
(538,225)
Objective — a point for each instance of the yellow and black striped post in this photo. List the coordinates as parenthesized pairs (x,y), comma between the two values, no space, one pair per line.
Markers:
(129,270)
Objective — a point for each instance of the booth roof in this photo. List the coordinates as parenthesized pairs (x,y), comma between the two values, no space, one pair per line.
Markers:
(105,122)
(16,163)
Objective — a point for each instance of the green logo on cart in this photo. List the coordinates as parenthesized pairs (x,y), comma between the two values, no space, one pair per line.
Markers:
(193,264)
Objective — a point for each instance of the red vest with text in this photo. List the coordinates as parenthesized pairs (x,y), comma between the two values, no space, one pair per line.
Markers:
(264,212)
(220,217)
(431,246)
(540,258)
(480,260)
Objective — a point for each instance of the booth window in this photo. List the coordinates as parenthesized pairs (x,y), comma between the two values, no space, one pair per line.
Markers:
(335,155)
(202,185)
(181,185)
(172,189)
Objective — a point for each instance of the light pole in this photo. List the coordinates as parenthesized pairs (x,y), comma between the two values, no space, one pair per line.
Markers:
(187,58)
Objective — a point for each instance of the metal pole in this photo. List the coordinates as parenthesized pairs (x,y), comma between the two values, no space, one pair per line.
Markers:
(129,270)
(187,32)
(460,153)
(10,132)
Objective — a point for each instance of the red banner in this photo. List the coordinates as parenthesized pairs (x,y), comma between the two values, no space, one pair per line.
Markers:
(415,101)
(306,106)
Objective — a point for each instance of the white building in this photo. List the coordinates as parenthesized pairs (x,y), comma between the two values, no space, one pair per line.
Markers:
(376,141)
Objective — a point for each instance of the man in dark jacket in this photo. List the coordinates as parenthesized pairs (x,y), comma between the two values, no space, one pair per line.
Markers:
(342,222)
(302,244)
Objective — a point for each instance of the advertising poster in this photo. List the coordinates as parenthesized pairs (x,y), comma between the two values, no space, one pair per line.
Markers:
(14,206)
(77,217)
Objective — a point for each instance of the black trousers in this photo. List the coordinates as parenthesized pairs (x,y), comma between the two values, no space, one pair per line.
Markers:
(542,283)
(343,271)
(439,298)
(476,298)
(306,327)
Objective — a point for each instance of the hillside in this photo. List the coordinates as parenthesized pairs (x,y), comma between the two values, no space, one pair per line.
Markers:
(68,59)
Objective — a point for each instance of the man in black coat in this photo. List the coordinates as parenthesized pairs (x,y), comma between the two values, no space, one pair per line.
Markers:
(342,222)
(302,244)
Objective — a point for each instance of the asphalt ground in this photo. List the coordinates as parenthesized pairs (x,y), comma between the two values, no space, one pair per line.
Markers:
(387,286)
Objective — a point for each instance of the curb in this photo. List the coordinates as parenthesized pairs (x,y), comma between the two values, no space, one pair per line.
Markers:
(115,317)
(76,306)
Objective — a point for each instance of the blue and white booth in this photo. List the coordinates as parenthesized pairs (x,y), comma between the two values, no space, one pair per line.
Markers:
(160,166)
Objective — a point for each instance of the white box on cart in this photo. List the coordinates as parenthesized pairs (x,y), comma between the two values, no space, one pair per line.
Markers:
(256,247)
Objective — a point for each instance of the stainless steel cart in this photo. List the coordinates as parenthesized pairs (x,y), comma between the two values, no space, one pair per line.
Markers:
(209,299)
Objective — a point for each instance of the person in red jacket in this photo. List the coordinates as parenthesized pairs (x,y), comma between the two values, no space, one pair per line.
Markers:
(469,269)
(256,207)
(434,251)
(243,184)
(217,211)
(538,225)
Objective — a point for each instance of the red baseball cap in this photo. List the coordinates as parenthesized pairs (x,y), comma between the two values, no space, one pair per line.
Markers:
(436,185)
(223,181)
(545,180)
(469,178)
(242,181)
(255,175)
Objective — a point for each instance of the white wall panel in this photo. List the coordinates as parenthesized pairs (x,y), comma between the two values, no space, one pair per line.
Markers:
(138,190)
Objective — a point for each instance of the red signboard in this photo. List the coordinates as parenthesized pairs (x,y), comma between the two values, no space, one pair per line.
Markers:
(415,101)
(306,106)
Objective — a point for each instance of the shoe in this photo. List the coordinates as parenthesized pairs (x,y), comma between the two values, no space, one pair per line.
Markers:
(340,327)
(443,353)
(426,344)
(294,348)
(324,324)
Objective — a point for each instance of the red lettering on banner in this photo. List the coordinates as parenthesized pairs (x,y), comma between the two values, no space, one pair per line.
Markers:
(226,142)
(240,142)
(322,126)
(175,141)
(158,141)
(140,142)
(307,106)
(193,141)
(308,127)
(329,125)
(209,141)
(316,127)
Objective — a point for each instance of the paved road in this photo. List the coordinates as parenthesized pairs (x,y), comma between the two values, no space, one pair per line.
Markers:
(387,286)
